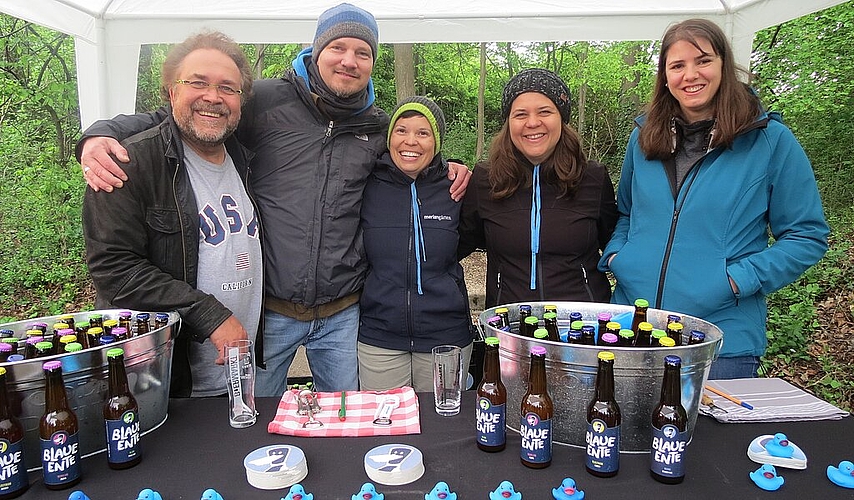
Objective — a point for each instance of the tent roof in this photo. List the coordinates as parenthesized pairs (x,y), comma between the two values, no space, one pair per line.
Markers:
(108,33)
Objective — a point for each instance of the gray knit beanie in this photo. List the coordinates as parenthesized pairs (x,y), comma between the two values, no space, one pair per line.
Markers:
(345,20)
(537,80)
(428,109)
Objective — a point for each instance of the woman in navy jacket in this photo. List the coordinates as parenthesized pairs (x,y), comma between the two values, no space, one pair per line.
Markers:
(414,296)
(707,176)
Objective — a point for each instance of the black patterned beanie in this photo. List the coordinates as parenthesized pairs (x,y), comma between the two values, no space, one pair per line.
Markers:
(537,80)
(342,21)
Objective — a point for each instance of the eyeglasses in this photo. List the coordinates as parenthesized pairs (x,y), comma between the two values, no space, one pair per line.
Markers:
(202,85)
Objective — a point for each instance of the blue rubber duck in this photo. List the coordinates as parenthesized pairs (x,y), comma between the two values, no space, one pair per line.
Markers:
(368,492)
(779,446)
(211,494)
(148,494)
(441,492)
(766,478)
(298,493)
(567,490)
(842,475)
(505,491)
(78,495)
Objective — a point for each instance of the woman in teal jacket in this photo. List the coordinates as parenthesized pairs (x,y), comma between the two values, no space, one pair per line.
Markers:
(707,177)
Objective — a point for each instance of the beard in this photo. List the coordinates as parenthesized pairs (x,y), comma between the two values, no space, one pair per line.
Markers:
(206,136)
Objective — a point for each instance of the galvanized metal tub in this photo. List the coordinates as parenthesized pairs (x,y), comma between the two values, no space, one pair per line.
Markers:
(148,362)
(571,372)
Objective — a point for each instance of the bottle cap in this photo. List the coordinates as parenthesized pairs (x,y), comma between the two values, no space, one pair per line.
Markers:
(51,365)
(641,303)
(541,333)
(666,342)
(501,310)
(626,333)
(494,319)
(96,316)
(5,332)
(2,371)
(115,352)
(613,325)
(109,323)
(34,332)
(606,317)
(550,315)
(119,331)
(609,338)
(106,339)
(60,326)
(672,360)
(491,341)
(675,326)
(142,316)
(5,347)
(34,340)
(576,325)
(538,350)
(15,357)
(644,325)
(532,320)
(606,355)
(42,346)
(73,347)
(575,316)
(525,307)
(658,334)
(95,330)
(161,317)
(65,332)
(125,314)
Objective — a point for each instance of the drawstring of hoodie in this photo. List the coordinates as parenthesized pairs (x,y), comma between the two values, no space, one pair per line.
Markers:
(420,250)
(535,226)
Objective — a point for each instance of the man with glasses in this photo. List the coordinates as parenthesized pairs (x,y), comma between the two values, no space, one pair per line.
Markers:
(183,234)
(316,133)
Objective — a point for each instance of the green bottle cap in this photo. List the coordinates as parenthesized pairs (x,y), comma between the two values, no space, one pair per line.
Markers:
(73,347)
(576,325)
(491,341)
(550,315)
(626,333)
(658,334)
(541,333)
(641,303)
(532,320)
(115,352)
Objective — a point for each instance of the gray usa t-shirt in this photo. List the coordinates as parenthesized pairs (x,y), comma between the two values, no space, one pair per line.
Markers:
(230,266)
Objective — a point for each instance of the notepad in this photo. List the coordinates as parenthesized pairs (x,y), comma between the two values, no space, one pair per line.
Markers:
(773,400)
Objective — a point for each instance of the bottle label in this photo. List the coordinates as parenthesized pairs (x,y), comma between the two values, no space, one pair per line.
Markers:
(123,438)
(668,451)
(13,471)
(490,423)
(603,446)
(60,458)
(536,439)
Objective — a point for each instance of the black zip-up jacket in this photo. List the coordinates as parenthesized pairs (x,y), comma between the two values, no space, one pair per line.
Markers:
(572,232)
(393,314)
(142,241)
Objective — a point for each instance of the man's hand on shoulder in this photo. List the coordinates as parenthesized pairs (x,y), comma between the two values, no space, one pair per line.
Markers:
(99,169)
(461,175)
(229,330)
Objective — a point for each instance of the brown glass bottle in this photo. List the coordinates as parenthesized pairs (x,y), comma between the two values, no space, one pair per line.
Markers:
(142,324)
(674,331)
(530,326)
(643,337)
(603,423)
(15,481)
(121,415)
(58,433)
(641,306)
(550,322)
(669,427)
(491,407)
(537,410)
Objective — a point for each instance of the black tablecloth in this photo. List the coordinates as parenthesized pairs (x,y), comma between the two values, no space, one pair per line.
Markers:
(196,449)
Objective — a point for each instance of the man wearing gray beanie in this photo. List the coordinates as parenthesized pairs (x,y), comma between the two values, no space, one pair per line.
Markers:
(316,134)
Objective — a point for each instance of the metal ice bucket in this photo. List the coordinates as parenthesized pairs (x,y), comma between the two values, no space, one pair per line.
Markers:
(571,372)
(148,363)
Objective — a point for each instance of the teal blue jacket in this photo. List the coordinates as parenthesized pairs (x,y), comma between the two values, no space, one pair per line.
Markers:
(679,250)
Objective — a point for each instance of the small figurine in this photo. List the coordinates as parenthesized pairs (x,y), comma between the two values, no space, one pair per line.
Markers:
(148,494)
(505,491)
(779,446)
(842,475)
(298,493)
(368,492)
(441,492)
(211,494)
(567,490)
(766,478)
(78,495)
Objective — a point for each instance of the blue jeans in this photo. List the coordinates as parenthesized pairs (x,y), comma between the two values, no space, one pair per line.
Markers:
(737,367)
(330,346)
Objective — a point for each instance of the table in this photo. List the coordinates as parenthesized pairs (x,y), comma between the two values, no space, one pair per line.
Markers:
(196,449)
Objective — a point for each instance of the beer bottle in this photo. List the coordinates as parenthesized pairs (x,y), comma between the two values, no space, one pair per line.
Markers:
(697,337)
(669,427)
(504,314)
(43,349)
(641,305)
(491,401)
(609,340)
(106,339)
(573,336)
(120,333)
(160,320)
(549,308)
(541,334)
(40,326)
(655,337)
(121,415)
(30,346)
(603,422)
(524,312)
(14,471)
(531,324)
(550,320)
(674,331)
(124,320)
(643,337)
(142,326)
(627,338)
(109,324)
(494,322)
(588,335)
(58,433)
(537,410)
(68,319)
(575,316)
(96,320)
(602,319)
(93,336)
(5,351)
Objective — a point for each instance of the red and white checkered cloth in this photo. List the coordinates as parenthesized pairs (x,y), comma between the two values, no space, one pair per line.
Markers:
(361,407)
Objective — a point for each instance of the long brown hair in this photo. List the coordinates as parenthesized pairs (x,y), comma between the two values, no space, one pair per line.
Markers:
(736,106)
(509,169)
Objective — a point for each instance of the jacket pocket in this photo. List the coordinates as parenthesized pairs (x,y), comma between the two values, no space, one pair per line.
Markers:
(164,238)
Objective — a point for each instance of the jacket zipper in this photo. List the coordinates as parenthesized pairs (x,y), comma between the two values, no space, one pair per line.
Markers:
(180,219)
(587,283)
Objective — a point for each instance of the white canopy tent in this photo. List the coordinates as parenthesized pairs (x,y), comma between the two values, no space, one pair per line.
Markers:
(108,33)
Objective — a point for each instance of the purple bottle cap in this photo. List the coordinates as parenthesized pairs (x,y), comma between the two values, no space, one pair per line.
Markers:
(609,338)
(51,365)
(4,347)
(538,350)
(604,317)
(34,340)
(119,331)
(65,331)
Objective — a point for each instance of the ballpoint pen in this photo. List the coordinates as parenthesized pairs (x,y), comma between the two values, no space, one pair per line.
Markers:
(729,397)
